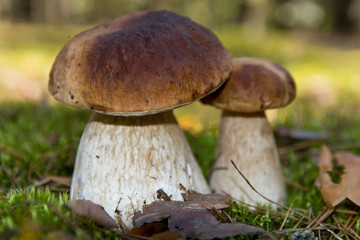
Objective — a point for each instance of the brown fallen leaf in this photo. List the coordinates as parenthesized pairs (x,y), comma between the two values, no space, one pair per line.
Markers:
(167,235)
(348,187)
(193,218)
(148,230)
(93,211)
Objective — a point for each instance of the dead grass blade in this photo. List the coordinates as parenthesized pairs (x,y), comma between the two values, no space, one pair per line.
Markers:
(283,151)
(286,217)
(267,199)
(229,217)
(343,228)
(260,209)
(320,218)
(298,223)
(334,234)
(40,183)
(66,181)
(355,234)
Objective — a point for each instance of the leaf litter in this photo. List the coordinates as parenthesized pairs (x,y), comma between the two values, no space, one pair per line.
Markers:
(93,211)
(348,186)
(202,216)
(194,218)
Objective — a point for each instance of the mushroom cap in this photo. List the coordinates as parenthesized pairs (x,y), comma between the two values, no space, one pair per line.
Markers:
(254,85)
(140,63)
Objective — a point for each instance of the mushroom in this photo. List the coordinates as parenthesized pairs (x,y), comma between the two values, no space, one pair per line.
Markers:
(245,135)
(132,71)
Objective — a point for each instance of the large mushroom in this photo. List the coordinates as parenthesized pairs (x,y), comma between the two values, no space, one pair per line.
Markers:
(132,71)
(245,135)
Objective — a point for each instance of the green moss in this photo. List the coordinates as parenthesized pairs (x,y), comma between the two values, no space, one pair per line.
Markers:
(37,140)
(42,214)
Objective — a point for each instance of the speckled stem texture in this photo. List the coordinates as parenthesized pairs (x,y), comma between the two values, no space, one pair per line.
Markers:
(248,140)
(123,161)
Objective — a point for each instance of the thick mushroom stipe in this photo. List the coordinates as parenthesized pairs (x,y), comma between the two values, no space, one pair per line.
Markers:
(111,170)
(147,62)
(245,135)
(247,139)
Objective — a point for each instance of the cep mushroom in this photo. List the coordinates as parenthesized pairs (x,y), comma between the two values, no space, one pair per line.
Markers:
(245,135)
(132,71)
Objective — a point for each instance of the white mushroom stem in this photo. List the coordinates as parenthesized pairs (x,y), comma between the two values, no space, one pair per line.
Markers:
(247,140)
(123,161)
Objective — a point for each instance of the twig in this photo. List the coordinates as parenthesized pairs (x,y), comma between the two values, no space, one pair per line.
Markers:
(290,230)
(317,217)
(217,214)
(252,187)
(260,209)
(327,213)
(342,229)
(286,217)
(40,183)
(355,234)
(345,146)
(298,223)
(66,181)
(322,216)
(267,199)
(334,234)
(229,217)
(298,146)
(352,212)
(348,221)
(353,222)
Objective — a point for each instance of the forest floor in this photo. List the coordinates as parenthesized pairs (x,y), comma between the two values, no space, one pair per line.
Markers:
(39,137)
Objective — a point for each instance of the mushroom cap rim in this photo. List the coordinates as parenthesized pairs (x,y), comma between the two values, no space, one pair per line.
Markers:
(144,113)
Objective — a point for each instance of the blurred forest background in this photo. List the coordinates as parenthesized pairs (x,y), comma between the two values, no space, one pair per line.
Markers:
(328,15)
(316,40)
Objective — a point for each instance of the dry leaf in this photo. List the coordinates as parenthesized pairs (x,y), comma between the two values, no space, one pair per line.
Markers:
(348,187)
(192,218)
(148,230)
(93,211)
(167,235)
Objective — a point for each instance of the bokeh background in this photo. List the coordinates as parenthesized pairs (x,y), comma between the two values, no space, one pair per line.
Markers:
(316,40)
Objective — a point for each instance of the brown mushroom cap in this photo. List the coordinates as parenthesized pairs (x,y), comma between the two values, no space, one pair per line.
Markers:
(142,62)
(254,85)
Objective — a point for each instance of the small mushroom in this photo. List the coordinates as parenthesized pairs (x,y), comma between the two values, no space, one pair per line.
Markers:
(245,135)
(132,71)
